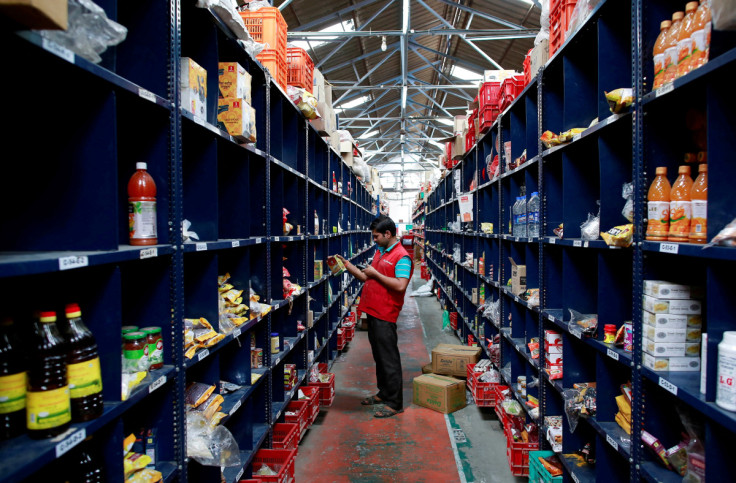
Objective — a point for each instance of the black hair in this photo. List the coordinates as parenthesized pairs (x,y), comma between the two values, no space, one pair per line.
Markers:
(382,224)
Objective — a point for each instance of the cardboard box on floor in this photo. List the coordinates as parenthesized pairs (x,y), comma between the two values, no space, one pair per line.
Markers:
(441,393)
(452,359)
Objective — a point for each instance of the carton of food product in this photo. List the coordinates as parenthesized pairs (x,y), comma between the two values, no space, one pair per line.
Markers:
(672,321)
(237,118)
(679,307)
(452,360)
(440,393)
(234,81)
(335,265)
(193,88)
(677,364)
(671,291)
(658,334)
(671,349)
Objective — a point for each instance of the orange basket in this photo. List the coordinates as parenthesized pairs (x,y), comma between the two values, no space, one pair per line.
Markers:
(276,65)
(267,26)
(301,68)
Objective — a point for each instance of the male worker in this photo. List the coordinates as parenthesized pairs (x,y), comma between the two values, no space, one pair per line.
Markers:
(385,280)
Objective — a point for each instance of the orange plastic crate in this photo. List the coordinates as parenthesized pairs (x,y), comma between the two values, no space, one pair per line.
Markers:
(276,65)
(267,26)
(280,460)
(285,436)
(300,67)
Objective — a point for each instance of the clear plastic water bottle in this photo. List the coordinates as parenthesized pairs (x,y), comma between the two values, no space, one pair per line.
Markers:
(515,217)
(522,217)
(533,215)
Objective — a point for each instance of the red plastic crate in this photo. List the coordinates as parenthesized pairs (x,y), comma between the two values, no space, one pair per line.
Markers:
(518,455)
(453,320)
(285,436)
(560,12)
(267,26)
(276,65)
(327,389)
(300,68)
(486,118)
(350,332)
(502,416)
(301,416)
(313,393)
(489,95)
(279,460)
(341,341)
(484,393)
(528,67)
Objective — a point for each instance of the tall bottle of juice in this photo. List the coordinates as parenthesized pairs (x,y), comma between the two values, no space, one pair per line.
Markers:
(142,207)
(48,409)
(83,367)
(699,203)
(659,54)
(684,40)
(658,207)
(701,35)
(670,48)
(680,206)
(13,381)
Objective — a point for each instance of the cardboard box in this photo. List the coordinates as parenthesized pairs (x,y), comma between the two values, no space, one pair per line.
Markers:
(553,360)
(680,307)
(335,264)
(37,14)
(193,87)
(538,57)
(319,270)
(234,81)
(552,337)
(677,364)
(474,296)
(451,359)
(553,349)
(671,349)
(236,117)
(496,75)
(671,291)
(318,89)
(310,319)
(672,321)
(440,393)
(328,94)
(518,278)
(659,334)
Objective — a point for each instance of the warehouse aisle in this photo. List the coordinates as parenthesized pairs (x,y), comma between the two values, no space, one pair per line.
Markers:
(347,444)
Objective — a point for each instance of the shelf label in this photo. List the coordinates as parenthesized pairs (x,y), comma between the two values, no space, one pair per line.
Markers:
(70,442)
(67,263)
(576,137)
(200,247)
(240,474)
(236,243)
(585,245)
(612,442)
(664,90)
(203,354)
(517,239)
(553,240)
(574,477)
(236,333)
(667,385)
(278,359)
(258,240)
(669,248)
(577,243)
(236,407)
(156,384)
(146,94)
(198,120)
(57,49)
(612,354)
(149,253)
(550,318)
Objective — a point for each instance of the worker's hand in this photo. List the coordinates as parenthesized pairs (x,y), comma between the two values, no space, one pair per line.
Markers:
(341,258)
(370,272)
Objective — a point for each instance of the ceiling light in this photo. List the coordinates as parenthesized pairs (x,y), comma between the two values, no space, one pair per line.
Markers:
(465,74)
(383,43)
(403,97)
(405,26)
(446,122)
(367,135)
(354,102)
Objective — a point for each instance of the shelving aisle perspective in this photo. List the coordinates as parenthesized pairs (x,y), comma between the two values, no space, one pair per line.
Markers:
(66,206)
(586,177)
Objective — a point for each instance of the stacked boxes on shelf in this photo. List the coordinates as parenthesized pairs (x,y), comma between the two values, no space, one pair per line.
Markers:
(234,112)
(672,323)
(193,87)
(553,354)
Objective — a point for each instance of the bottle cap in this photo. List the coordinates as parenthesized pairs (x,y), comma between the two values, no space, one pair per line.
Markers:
(535,193)
(609,327)
(134,336)
(141,165)
(703,168)
(683,170)
(729,337)
(691,6)
(661,170)
(677,16)
(665,24)
(274,334)
(49,316)
(150,330)
(73,310)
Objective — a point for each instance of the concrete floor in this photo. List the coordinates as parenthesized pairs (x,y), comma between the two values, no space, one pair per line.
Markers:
(346,444)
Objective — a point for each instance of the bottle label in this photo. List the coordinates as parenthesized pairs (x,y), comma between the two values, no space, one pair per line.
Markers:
(680,215)
(726,389)
(684,52)
(48,409)
(698,39)
(156,352)
(699,222)
(142,219)
(659,66)
(13,392)
(85,378)
(658,214)
(670,63)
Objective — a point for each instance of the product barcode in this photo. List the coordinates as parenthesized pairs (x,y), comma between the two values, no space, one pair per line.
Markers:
(665,90)
(67,263)
(612,442)
(200,247)
(70,442)
(57,49)
(158,383)
(612,354)
(149,253)
(236,333)
(146,94)
(236,243)
(203,354)
(236,407)
(668,248)
(577,243)
(667,385)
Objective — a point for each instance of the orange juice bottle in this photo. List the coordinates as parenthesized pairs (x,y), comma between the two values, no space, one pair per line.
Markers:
(699,203)
(680,206)
(701,35)
(659,54)
(684,40)
(670,48)
(658,207)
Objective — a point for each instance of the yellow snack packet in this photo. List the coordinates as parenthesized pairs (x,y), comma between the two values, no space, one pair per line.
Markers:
(134,462)
(619,236)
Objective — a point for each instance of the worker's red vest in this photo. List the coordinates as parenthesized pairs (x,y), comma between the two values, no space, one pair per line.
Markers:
(377,300)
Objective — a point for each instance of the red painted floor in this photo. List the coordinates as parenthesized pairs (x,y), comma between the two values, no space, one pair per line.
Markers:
(347,444)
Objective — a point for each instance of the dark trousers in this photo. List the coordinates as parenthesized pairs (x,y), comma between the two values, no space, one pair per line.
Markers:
(385,346)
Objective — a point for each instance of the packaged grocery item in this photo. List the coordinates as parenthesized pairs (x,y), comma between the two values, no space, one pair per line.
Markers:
(236,117)
(658,207)
(582,324)
(726,389)
(83,366)
(670,44)
(671,349)
(550,139)
(13,382)
(568,135)
(304,100)
(671,335)
(701,34)
(234,81)
(726,237)
(699,207)
(662,306)
(674,321)
(667,290)
(675,364)
(659,57)
(685,41)
(680,207)
(659,450)
(146,475)
(619,236)
(142,221)
(197,393)
(335,265)
(627,192)
(619,100)
(193,87)
(134,462)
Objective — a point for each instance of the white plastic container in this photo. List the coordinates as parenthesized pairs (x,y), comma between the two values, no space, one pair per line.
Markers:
(726,382)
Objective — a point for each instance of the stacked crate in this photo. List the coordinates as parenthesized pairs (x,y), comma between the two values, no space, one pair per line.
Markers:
(267,26)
